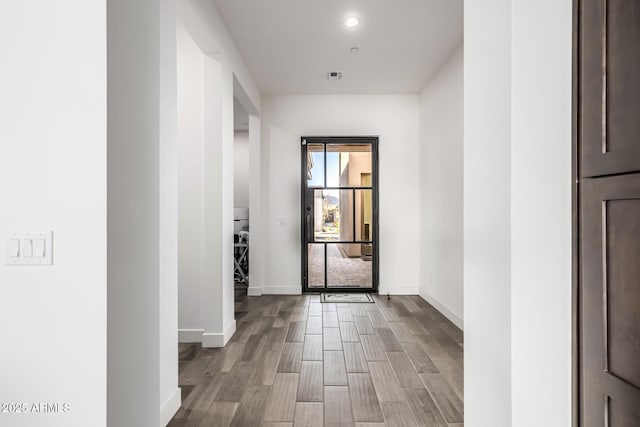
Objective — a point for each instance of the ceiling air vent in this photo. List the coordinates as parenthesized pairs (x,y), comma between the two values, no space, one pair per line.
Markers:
(333,75)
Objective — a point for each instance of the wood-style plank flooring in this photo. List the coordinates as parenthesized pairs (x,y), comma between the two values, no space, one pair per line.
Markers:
(296,362)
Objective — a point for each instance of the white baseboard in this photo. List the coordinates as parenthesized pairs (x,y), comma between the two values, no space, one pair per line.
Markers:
(281,290)
(254,291)
(170,407)
(190,335)
(398,290)
(297,290)
(446,311)
(211,340)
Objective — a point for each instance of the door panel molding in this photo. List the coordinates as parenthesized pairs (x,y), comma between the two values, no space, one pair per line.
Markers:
(603,233)
(609,126)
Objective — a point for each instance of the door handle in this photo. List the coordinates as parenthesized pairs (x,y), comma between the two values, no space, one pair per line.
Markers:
(309,231)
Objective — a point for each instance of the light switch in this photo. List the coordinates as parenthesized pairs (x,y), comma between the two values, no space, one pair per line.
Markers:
(39,246)
(27,248)
(14,248)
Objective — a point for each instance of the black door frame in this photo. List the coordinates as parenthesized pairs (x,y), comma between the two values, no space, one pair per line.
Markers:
(375,241)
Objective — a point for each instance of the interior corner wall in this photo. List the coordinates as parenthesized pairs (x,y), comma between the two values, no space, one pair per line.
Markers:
(395,118)
(441,189)
(241,169)
(53,176)
(487,205)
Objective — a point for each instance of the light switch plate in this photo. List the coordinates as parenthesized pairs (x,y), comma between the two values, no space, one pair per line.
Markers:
(13,248)
(41,247)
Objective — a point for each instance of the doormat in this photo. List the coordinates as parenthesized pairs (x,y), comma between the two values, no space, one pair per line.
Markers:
(345,297)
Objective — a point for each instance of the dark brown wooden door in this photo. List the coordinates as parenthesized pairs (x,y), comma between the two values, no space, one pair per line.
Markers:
(608,217)
(609,71)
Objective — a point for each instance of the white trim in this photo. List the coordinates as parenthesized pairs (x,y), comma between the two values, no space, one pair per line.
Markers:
(282,290)
(254,291)
(446,311)
(170,407)
(297,290)
(398,290)
(211,340)
(190,335)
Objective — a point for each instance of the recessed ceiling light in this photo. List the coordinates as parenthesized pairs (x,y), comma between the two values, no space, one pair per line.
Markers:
(351,22)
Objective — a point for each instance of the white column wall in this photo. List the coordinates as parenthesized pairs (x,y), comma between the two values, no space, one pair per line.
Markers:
(133,200)
(216,308)
(541,213)
(53,176)
(226,240)
(518,265)
(487,216)
(190,112)
(170,397)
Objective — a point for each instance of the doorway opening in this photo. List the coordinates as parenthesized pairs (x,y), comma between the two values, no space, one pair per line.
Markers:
(339,214)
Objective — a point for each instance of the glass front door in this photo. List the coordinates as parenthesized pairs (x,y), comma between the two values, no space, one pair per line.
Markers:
(339,214)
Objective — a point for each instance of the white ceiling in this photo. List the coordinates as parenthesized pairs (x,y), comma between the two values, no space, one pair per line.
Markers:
(288,45)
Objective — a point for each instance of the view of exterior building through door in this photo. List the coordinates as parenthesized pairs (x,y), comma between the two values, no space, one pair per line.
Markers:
(339,214)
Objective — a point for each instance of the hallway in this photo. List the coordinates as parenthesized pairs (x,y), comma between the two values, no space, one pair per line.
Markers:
(124,159)
(295,361)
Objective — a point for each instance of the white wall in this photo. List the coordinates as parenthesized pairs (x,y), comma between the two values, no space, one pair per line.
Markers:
(257,221)
(487,204)
(517,223)
(395,119)
(203,311)
(139,202)
(219,323)
(224,75)
(541,213)
(54,124)
(53,176)
(206,27)
(170,396)
(441,189)
(190,72)
(241,169)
